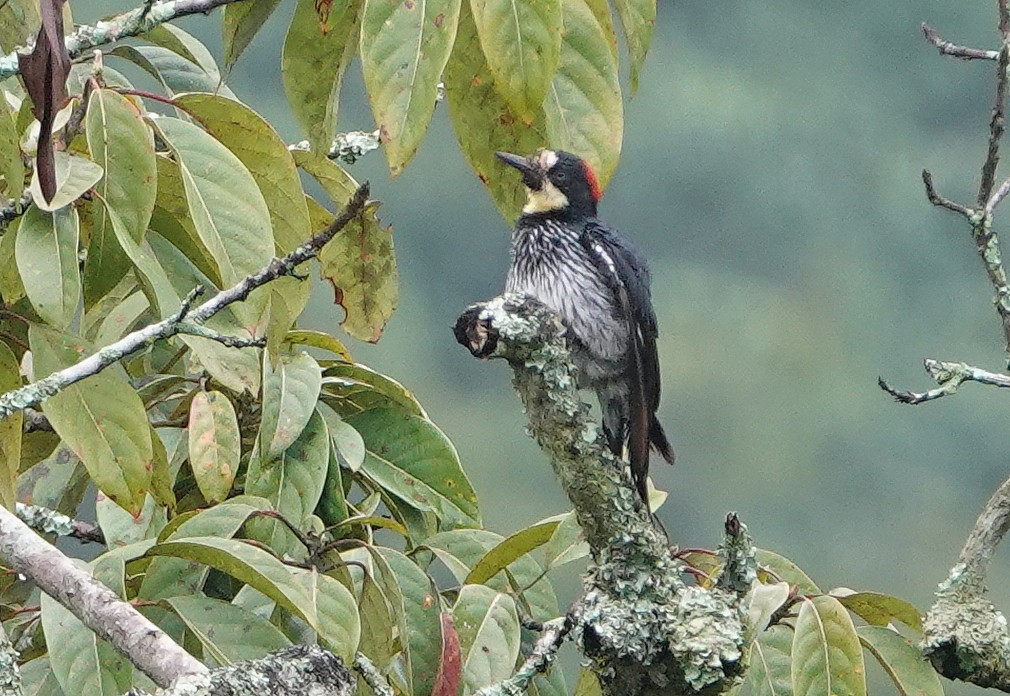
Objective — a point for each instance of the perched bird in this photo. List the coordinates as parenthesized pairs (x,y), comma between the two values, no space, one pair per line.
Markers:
(598,283)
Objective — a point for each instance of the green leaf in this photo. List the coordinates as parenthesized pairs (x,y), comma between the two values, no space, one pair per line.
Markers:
(488,628)
(321,340)
(521,42)
(186,45)
(319,600)
(566,544)
(83,664)
(377,623)
(228,633)
(214,444)
(175,72)
(121,528)
(762,602)
(120,318)
(317,50)
(773,567)
(260,148)
(412,459)
(638,18)
(359,262)
(228,210)
(57,482)
(770,672)
(361,389)
(584,111)
(464,548)
(12,168)
(290,390)
(19,21)
(74,176)
(10,430)
(239,25)
(588,684)
(102,420)
(404,49)
(38,679)
(879,609)
(293,480)
(332,507)
(46,253)
(172,219)
(122,144)
(170,577)
(826,655)
(483,120)
(11,287)
(420,607)
(513,547)
(904,663)
(346,440)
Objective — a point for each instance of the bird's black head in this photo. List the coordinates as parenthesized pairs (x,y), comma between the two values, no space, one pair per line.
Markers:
(556,182)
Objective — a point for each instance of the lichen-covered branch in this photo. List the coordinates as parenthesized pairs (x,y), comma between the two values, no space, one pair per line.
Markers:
(294,671)
(544,651)
(133,23)
(130,632)
(949,376)
(964,635)
(47,521)
(372,676)
(186,320)
(346,147)
(10,674)
(645,631)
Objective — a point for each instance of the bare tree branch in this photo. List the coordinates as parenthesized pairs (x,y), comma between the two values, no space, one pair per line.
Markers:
(949,376)
(133,23)
(996,124)
(941,202)
(130,632)
(947,48)
(184,321)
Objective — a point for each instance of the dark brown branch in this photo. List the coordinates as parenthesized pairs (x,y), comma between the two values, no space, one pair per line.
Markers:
(997,123)
(941,202)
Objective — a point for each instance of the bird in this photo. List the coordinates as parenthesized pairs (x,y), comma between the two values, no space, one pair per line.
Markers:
(598,283)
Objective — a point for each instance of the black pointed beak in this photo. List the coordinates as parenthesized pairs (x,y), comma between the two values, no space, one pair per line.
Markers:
(532,176)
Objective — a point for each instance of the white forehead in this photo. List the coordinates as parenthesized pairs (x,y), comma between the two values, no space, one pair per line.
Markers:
(547,159)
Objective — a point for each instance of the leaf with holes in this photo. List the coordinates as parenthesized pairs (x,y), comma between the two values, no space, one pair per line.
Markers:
(46,254)
(122,144)
(404,49)
(102,420)
(826,655)
(317,50)
(584,111)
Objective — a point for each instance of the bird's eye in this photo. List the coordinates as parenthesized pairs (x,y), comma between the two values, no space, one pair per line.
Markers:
(561,177)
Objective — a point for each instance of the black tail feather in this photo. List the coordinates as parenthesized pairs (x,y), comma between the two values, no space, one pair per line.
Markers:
(659,442)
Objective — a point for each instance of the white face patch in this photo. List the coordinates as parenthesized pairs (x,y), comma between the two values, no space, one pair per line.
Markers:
(548,197)
(544,200)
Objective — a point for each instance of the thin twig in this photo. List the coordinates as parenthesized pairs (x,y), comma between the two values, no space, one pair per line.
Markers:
(372,676)
(941,202)
(949,376)
(947,48)
(544,652)
(37,392)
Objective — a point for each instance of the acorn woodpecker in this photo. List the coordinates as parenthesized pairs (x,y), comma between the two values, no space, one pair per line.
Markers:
(598,283)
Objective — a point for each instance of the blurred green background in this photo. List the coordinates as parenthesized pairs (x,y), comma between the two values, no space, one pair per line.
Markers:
(771,173)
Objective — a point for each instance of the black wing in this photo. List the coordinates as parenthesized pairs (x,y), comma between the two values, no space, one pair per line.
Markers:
(627,274)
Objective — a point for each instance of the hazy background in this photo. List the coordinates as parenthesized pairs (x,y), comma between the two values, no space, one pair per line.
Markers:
(771,173)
